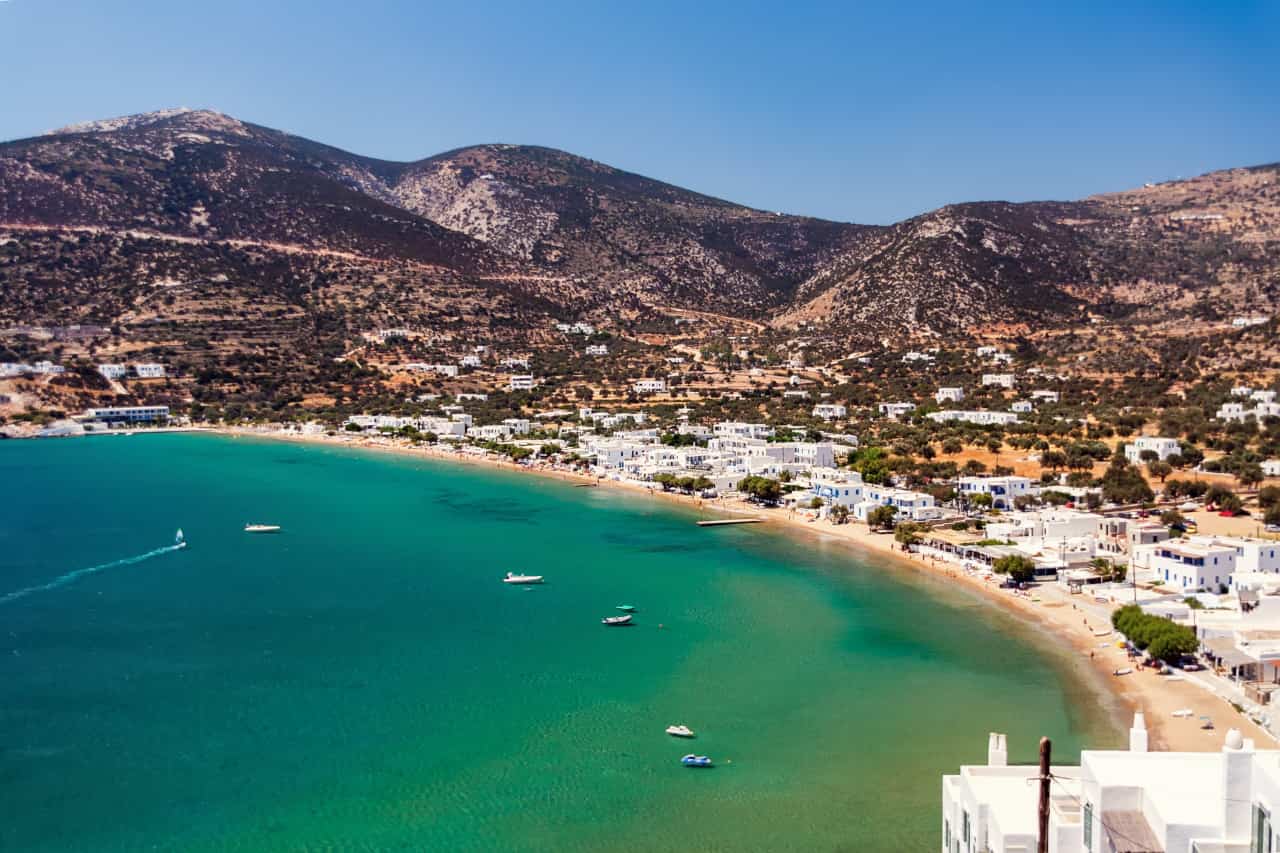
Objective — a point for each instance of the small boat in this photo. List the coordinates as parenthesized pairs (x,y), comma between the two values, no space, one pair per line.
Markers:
(692,760)
(1183,712)
(626,608)
(1123,671)
(614,621)
(262,528)
(512,577)
(680,731)
(179,541)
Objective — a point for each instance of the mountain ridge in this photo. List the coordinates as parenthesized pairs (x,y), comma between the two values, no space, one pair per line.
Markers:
(589,237)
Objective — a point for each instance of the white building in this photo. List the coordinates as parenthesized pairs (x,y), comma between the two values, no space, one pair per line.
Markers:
(129,414)
(149,371)
(896,410)
(1046,395)
(512,363)
(470,361)
(597,349)
(520,383)
(47,368)
(1003,490)
(952,394)
(1271,468)
(649,386)
(982,417)
(1162,447)
(911,506)
(518,426)
(113,371)
(738,429)
(1004,380)
(986,352)
(491,432)
(1022,406)
(1119,801)
(846,491)
(830,411)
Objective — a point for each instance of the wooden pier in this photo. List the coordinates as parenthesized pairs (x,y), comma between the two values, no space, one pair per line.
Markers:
(720,521)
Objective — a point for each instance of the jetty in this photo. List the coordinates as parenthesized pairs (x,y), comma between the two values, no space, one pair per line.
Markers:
(720,521)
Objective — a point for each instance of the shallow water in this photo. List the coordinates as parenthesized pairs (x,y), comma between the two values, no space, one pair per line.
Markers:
(363,681)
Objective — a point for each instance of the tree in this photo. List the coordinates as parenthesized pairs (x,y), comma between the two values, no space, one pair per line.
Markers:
(908,532)
(1053,460)
(1249,475)
(839,514)
(761,489)
(872,463)
(1161,638)
(1173,520)
(1019,568)
(1123,483)
(1159,469)
(981,499)
(881,517)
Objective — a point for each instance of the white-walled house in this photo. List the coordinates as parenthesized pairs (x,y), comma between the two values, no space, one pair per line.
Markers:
(1046,395)
(830,411)
(520,382)
(649,386)
(1130,801)
(951,394)
(597,349)
(1004,380)
(470,361)
(1003,490)
(846,491)
(149,371)
(518,426)
(739,429)
(1271,468)
(978,416)
(113,371)
(1022,407)
(896,410)
(911,506)
(1162,447)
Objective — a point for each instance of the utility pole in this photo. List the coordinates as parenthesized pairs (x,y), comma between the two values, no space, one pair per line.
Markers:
(1042,844)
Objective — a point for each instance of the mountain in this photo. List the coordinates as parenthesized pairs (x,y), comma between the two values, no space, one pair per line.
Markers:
(533,232)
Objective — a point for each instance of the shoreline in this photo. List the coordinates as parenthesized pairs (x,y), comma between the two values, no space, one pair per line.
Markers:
(1058,615)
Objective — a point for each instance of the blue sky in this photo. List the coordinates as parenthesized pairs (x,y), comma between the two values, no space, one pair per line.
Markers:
(861,112)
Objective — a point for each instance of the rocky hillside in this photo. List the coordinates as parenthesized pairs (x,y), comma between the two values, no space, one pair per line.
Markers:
(552,233)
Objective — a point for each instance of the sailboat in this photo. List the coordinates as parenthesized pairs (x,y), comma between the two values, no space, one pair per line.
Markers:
(179,541)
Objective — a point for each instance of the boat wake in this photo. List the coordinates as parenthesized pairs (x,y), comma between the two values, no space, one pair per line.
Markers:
(71,577)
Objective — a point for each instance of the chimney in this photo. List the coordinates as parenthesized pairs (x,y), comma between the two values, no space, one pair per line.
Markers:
(1237,784)
(1138,734)
(997,750)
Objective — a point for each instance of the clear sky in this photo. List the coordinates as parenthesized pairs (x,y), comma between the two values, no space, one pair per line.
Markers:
(867,112)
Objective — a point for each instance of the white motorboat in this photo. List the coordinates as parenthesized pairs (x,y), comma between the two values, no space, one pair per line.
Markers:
(512,577)
(680,731)
(262,528)
(179,541)
(615,621)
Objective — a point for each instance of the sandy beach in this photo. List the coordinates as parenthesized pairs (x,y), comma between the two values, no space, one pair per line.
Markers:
(1079,622)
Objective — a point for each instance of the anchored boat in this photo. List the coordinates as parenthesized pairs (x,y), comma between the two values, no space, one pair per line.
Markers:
(521,579)
(614,621)
(692,760)
(680,731)
(262,528)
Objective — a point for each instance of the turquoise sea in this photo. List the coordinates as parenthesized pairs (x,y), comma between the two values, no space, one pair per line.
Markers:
(363,681)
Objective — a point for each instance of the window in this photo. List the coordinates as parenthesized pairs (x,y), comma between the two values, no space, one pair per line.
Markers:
(1261,841)
(966,830)
(946,833)
(1088,826)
